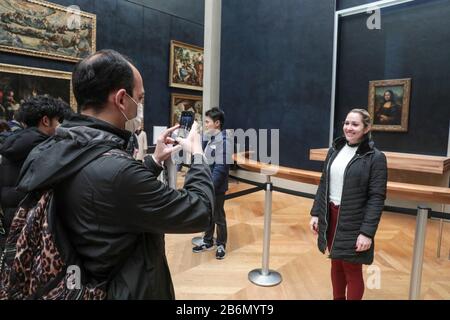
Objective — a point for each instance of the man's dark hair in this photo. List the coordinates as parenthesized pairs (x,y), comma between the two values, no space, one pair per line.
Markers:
(95,77)
(216,114)
(35,108)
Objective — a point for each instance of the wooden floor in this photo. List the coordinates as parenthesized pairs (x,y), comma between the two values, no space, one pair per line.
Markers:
(294,254)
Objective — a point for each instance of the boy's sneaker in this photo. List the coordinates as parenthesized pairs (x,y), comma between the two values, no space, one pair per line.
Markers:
(203,247)
(220,253)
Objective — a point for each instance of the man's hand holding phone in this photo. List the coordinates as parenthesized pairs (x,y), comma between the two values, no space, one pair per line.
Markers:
(192,143)
(166,145)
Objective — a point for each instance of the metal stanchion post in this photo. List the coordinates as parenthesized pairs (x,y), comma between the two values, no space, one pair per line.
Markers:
(171,173)
(264,276)
(198,241)
(419,244)
(441,228)
(172,180)
(439,244)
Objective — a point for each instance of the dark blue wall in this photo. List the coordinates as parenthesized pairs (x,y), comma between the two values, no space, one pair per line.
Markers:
(142,30)
(413,42)
(276,64)
(276,72)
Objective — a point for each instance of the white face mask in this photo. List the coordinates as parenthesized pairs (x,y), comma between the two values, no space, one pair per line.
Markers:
(132,125)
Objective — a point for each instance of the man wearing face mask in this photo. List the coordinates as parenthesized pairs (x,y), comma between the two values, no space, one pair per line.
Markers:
(132,126)
(115,211)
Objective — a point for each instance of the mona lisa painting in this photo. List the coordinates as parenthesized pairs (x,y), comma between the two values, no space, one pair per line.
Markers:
(389,104)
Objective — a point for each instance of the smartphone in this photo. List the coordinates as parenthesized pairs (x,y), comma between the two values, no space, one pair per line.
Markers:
(186,122)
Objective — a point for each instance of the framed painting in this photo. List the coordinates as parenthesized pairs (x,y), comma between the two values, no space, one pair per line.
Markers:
(43,29)
(18,83)
(186,66)
(184,102)
(389,104)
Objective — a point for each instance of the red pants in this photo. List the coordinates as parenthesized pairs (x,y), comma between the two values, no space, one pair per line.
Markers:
(344,275)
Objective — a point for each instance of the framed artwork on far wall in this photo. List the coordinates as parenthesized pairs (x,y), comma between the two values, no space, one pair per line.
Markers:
(389,104)
(184,102)
(18,83)
(186,66)
(43,29)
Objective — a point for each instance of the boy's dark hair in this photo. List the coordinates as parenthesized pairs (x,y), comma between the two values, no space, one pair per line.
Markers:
(216,114)
(18,115)
(35,108)
(95,77)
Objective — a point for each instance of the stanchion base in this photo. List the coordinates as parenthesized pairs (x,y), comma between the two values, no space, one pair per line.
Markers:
(272,279)
(197,241)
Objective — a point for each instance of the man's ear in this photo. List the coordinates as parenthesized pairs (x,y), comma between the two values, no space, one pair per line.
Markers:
(119,98)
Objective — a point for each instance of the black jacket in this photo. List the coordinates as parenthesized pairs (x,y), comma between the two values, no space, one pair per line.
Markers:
(362,201)
(218,151)
(114,209)
(14,151)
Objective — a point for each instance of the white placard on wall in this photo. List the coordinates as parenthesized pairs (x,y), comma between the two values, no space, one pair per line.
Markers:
(157,130)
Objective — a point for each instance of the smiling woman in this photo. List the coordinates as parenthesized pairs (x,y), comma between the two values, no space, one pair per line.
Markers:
(348,204)
(356,126)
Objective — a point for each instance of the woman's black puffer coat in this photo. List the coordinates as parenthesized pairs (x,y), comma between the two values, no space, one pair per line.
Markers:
(362,201)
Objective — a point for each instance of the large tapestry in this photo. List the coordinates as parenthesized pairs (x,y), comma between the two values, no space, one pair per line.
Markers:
(43,29)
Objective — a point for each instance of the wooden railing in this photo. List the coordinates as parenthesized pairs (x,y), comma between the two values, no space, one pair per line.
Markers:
(399,190)
(401,161)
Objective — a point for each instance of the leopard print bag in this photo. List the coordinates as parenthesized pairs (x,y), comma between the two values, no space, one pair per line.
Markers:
(32,266)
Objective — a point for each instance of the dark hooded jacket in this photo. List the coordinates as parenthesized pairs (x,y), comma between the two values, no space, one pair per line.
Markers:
(362,202)
(114,209)
(14,151)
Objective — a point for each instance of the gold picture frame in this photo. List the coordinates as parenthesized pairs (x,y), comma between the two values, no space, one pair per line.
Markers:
(186,66)
(19,82)
(185,102)
(389,104)
(43,29)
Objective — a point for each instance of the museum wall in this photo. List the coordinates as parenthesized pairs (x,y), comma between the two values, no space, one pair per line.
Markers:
(276,72)
(413,42)
(142,30)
